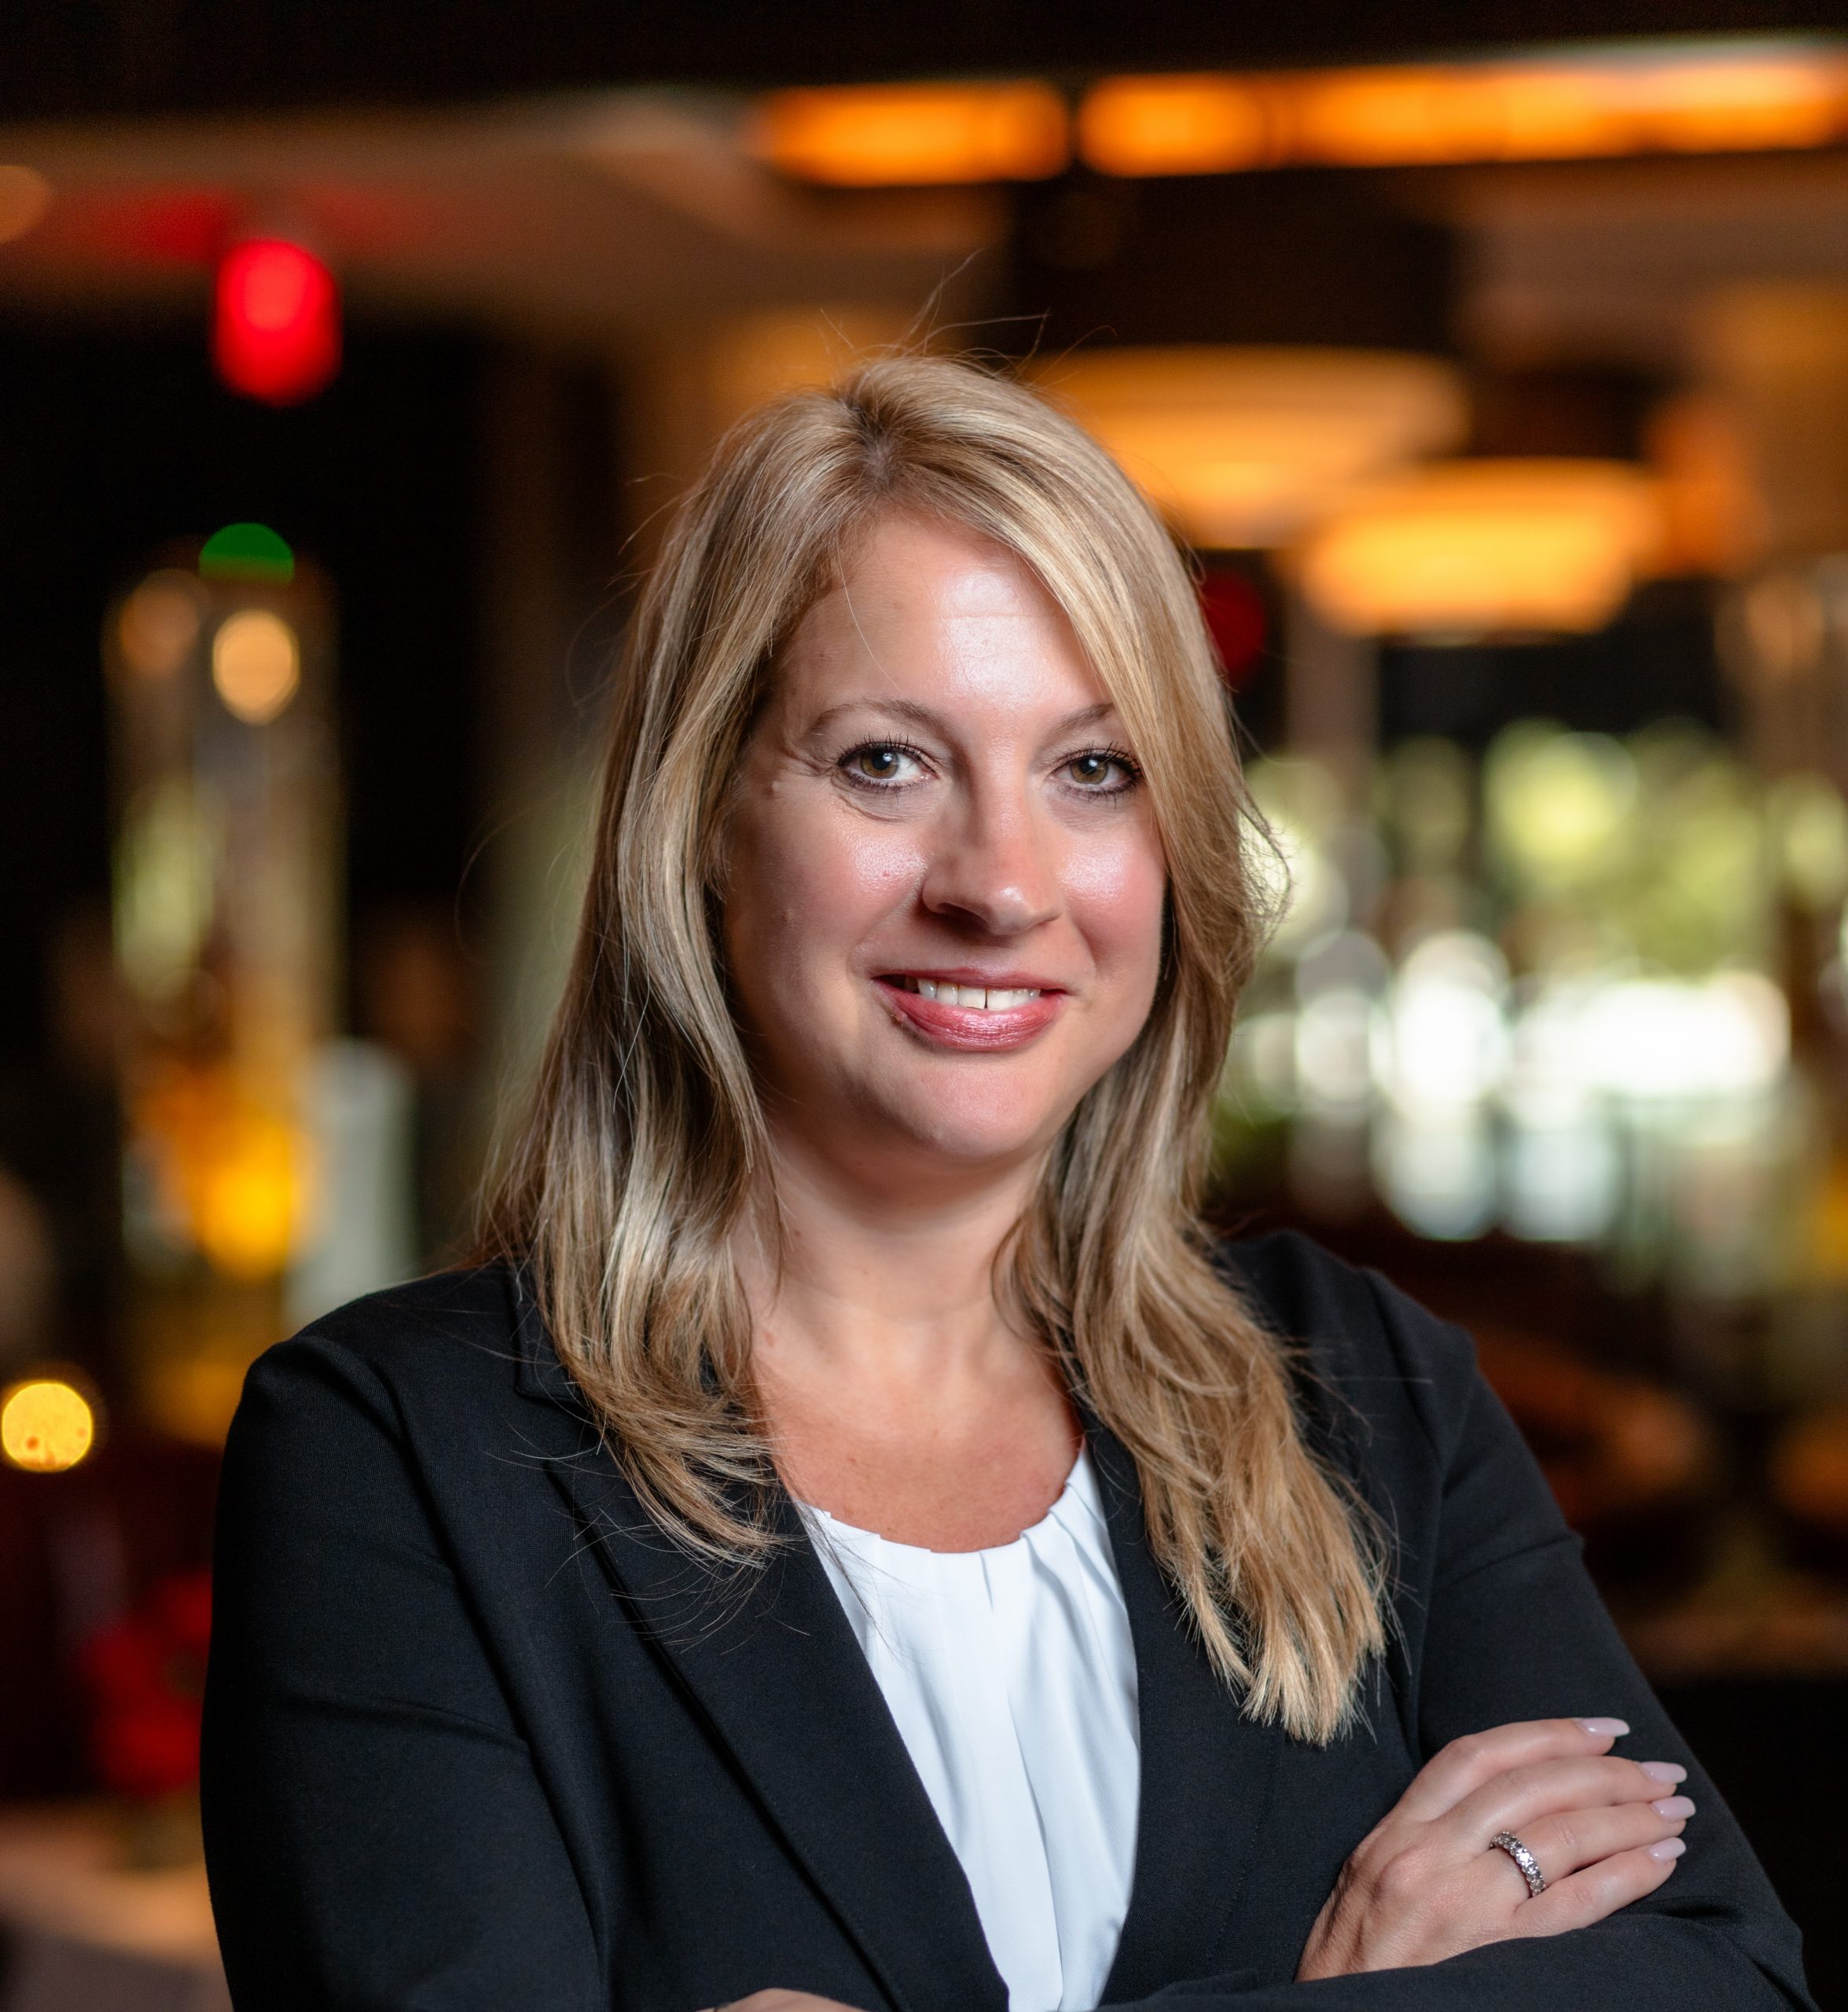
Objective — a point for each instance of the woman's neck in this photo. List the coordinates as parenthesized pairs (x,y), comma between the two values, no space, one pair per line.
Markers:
(896,1391)
(898,1274)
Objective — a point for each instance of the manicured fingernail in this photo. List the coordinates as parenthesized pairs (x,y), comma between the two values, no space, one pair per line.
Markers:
(1673,1805)
(1604,1728)
(1664,1771)
(1669,1848)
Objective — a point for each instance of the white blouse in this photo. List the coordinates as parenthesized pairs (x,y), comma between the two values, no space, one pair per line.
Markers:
(1011,1676)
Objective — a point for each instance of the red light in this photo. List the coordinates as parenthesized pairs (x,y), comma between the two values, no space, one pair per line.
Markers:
(1234,610)
(276,329)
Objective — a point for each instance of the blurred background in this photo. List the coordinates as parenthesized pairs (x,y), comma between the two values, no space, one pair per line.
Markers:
(1494,363)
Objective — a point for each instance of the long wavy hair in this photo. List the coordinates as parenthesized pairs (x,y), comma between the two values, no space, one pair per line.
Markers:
(644,1150)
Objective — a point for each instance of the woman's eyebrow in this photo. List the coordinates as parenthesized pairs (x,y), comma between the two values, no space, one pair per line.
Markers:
(904,708)
(926,718)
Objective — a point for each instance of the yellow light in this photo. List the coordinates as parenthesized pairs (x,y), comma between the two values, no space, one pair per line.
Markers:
(1174,126)
(885,135)
(45,1425)
(1241,446)
(234,1174)
(159,625)
(247,1198)
(256,664)
(1475,547)
(1741,97)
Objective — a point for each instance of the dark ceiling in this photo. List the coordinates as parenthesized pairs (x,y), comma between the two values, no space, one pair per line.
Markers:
(67,58)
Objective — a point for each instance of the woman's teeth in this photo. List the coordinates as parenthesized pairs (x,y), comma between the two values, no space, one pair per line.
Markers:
(983,998)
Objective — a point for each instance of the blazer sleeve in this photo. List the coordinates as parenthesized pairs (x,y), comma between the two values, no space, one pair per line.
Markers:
(1509,1627)
(376,1838)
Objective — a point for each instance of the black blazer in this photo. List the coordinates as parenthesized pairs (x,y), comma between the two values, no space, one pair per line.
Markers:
(477,1737)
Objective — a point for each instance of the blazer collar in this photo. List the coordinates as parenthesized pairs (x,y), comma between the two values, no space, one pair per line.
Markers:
(1208,1772)
(770,1661)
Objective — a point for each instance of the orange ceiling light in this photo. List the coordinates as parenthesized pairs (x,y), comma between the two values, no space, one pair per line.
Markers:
(1722,98)
(1480,547)
(1132,125)
(895,135)
(1241,446)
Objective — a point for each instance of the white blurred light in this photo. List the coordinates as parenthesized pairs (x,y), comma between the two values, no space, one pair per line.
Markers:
(1444,1042)
(1656,1039)
(1263,1064)
(1563,1183)
(1557,803)
(1302,805)
(1437,1173)
(1334,1051)
(1340,979)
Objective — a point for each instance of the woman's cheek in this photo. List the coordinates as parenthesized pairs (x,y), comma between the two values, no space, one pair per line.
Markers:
(1116,891)
(820,892)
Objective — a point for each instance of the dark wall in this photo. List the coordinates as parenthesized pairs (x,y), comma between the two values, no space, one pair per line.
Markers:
(1657,661)
(1297,256)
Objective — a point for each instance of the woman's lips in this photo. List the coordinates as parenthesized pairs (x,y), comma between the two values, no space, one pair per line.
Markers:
(979,1029)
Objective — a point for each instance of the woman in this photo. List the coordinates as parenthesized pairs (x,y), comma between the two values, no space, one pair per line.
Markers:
(854,1539)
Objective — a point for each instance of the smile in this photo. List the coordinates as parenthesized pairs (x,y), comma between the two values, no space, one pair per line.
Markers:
(960,1014)
(984,999)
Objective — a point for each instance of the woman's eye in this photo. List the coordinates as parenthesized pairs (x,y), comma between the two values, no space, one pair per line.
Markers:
(880,762)
(1100,773)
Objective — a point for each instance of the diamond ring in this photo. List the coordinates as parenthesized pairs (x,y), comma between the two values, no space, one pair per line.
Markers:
(1506,1841)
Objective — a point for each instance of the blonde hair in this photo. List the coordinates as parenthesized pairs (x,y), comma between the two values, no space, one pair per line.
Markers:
(645,1143)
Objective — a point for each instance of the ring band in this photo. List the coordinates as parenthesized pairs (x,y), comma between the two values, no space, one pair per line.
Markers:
(1506,1841)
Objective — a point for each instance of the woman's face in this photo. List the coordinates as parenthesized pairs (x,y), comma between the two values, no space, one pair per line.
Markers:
(944,895)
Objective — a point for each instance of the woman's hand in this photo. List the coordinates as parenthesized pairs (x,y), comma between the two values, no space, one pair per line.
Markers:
(1426,1883)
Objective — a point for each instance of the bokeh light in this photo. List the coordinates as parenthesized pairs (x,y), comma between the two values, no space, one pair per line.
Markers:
(25,196)
(1471,547)
(1242,446)
(249,552)
(46,1425)
(256,665)
(869,136)
(159,625)
(276,324)
(1725,98)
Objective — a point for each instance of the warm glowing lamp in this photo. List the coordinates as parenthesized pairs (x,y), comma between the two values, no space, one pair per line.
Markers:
(1181,125)
(159,625)
(1242,447)
(46,1425)
(1470,548)
(1737,97)
(276,325)
(888,135)
(256,665)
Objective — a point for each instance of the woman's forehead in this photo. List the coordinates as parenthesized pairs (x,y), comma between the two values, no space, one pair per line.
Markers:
(926,606)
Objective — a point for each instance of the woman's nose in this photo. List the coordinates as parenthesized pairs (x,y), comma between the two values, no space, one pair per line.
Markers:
(993,867)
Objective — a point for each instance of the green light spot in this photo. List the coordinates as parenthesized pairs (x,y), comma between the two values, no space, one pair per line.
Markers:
(246,552)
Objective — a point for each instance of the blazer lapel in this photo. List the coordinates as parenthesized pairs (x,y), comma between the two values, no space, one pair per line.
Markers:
(1208,1773)
(770,1662)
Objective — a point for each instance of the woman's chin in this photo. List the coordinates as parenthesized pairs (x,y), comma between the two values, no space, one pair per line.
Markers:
(929,1136)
